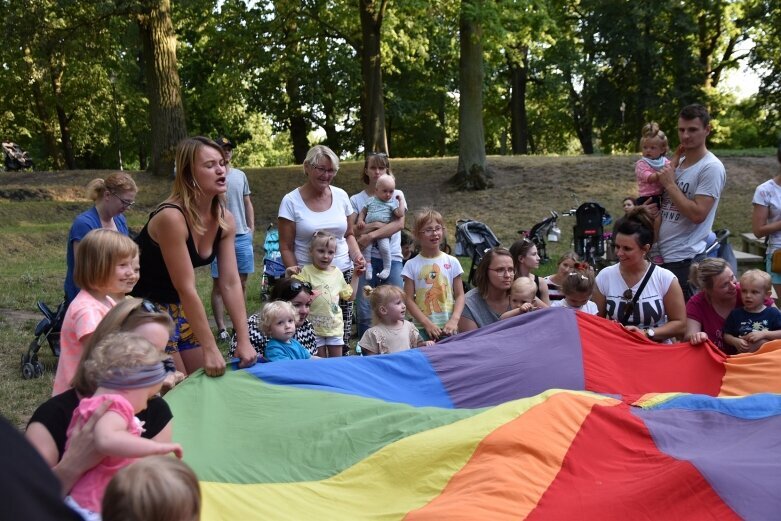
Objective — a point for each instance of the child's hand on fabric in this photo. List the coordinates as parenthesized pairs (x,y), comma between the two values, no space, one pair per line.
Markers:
(451,328)
(754,336)
(361,225)
(429,342)
(741,345)
(432,330)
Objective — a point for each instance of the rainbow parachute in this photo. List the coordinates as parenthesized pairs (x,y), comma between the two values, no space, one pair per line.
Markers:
(554,415)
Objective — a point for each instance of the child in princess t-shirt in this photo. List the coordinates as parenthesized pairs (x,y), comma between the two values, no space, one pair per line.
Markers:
(432,281)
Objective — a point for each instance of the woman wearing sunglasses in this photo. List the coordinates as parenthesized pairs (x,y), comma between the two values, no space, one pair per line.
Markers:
(317,205)
(49,423)
(112,197)
(641,296)
(298,293)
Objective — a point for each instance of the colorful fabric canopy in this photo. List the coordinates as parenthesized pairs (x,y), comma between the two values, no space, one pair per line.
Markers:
(553,415)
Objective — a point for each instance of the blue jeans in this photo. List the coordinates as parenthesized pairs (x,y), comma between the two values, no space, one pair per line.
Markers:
(364,309)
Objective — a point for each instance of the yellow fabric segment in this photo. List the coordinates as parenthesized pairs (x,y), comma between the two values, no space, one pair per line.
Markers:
(401,477)
(651,400)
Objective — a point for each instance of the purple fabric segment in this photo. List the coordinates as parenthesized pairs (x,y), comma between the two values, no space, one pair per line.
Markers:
(511,359)
(737,457)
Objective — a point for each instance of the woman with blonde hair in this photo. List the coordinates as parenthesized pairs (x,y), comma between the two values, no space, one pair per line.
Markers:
(190,229)
(48,425)
(112,196)
(317,205)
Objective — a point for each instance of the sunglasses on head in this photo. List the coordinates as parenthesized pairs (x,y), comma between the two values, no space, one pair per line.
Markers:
(149,307)
(298,285)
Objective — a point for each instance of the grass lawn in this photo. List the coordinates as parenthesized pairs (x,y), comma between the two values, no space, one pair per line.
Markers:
(36,210)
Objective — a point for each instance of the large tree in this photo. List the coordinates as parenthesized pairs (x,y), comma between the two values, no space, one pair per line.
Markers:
(372,100)
(473,172)
(166,112)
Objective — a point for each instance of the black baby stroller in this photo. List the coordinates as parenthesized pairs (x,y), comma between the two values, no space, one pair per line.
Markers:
(273,267)
(589,232)
(15,158)
(47,330)
(547,229)
(473,239)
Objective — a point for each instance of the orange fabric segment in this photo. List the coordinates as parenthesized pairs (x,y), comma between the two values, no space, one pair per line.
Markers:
(514,465)
(613,456)
(751,373)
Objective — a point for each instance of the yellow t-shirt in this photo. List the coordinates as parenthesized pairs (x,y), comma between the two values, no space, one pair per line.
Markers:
(328,286)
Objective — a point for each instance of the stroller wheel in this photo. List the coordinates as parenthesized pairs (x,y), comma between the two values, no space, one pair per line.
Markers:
(38,369)
(28,371)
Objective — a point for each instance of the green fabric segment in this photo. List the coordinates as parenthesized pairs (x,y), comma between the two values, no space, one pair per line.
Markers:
(286,434)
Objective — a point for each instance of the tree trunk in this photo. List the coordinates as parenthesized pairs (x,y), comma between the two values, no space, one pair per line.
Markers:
(581,118)
(442,119)
(165,96)
(297,122)
(55,76)
(519,123)
(41,111)
(472,173)
(372,99)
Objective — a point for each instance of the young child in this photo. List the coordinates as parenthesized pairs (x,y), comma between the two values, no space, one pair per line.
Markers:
(522,297)
(329,286)
(391,331)
(432,281)
(381,208)
(749,327)
(653,143)
(104,267)
(129,371)
(278,321)
(157,488)
(577,288)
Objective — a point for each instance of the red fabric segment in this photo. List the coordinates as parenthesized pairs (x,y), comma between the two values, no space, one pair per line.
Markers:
(618,362)
(614,461)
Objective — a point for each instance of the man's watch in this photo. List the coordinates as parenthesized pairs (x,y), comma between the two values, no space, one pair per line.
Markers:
(650,333)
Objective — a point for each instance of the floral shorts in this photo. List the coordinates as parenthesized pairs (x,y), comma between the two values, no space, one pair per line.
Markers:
(182,338)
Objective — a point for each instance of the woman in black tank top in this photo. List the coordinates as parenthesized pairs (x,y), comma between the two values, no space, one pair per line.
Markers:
(187,230)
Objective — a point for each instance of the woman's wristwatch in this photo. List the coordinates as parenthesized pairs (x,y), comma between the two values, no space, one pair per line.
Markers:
(650,334)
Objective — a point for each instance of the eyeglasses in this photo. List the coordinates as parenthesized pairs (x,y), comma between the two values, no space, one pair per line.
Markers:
(329,171)
(125,203)
(503,271)
(432,231)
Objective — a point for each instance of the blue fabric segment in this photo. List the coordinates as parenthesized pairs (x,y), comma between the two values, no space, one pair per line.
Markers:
(405,377)
(751,407)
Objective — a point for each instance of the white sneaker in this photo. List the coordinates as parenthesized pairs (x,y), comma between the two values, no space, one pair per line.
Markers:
(383,274)
(223,335)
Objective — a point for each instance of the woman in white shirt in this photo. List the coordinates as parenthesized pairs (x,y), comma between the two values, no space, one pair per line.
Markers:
(659,311)
(316,205)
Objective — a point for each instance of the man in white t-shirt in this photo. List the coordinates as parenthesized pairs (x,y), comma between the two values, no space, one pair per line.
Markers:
(691,195)
(238,201)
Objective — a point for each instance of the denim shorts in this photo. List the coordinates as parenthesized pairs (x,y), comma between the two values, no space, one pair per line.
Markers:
(245,257)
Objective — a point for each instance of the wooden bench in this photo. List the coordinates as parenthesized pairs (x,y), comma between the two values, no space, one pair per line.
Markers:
(753,244)
(746,259)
